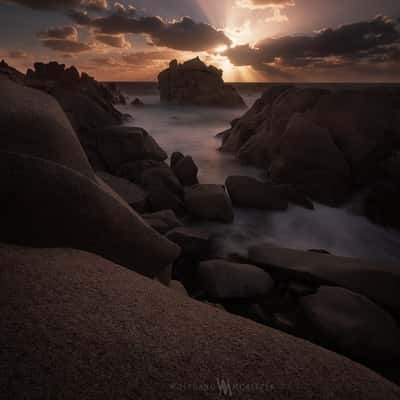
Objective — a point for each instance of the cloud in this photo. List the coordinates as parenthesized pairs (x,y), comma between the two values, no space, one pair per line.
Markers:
(150,56)
(181,34)
(66,46)
(64,39)
(367,42)
(17,54)
(118,41)
(96,5)
(66,32)
(262,4)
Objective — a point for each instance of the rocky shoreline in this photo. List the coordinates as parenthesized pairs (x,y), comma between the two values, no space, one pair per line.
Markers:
(91,210)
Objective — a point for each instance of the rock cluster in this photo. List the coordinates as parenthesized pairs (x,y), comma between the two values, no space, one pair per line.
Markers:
(75,325)
(195,83)
(80,292)
(51,196)
(327,143)
(87,103)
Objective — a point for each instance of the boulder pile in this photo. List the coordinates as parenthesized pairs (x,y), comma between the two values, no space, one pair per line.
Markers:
(326,143)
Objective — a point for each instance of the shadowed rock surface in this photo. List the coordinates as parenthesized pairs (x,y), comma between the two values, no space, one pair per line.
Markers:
(209,202)
(378,282)
(78,326)
(352,324)
(50,195)
(87,103)
(193,83)
(326,142)
(32,122)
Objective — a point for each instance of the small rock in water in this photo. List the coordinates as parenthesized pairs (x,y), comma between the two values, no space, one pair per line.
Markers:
(137,103)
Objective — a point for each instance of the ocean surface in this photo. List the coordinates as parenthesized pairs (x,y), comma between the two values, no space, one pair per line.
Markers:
(192,131)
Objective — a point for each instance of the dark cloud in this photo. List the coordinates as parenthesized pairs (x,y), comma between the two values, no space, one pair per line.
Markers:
(372,41)
(65,32)
(66,46)
(182,34)
(96,5)
(118,41)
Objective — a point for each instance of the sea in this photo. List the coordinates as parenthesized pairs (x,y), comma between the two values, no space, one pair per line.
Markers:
(192,131)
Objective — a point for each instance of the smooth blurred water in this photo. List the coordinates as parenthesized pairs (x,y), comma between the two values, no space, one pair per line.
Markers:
(192,131)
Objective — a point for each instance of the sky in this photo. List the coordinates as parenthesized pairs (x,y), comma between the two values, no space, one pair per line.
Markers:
(251,40)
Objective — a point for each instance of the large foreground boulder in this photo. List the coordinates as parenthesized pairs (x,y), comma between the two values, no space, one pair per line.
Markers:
(352,325)
(77,326)
(380,283)
(193,83)
(44,204)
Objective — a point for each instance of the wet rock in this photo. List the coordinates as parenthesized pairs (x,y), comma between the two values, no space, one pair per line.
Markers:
(251,193)
(209,202)
(190,240)
(226,280)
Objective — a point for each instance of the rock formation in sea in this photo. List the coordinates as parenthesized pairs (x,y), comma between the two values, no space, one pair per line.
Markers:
(327,143)
(195,83)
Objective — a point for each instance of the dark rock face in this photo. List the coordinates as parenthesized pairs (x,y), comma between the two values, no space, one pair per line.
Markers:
(50,195)
(185,169)
(11,73)
(209,202)
(87,103)
(120,145)
(226,280)
(33,123)
(382,204)
(326,143)
(248,192)
(133,194)
(137,103)
(352,324)
(377,282)
(193,83)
